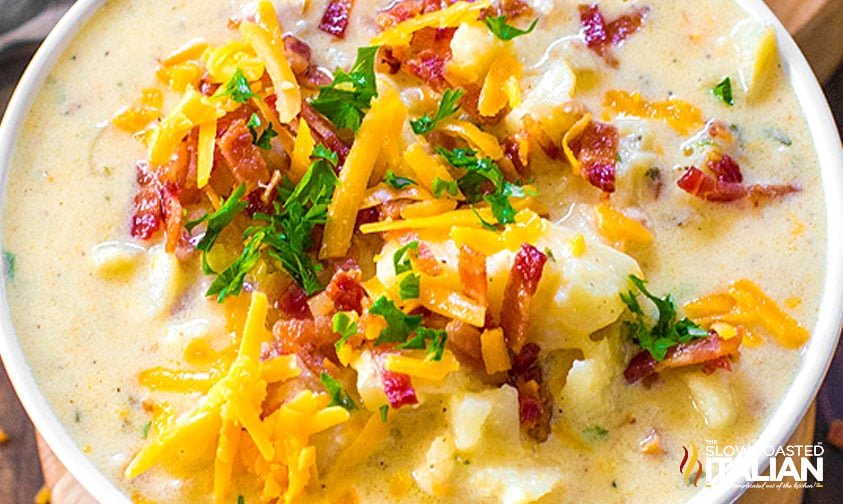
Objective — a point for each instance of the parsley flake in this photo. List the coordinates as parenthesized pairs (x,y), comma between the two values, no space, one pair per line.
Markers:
(667,331)
(504,31)
(338,396)
(409,287)
(723,91)
(441,186)
(220,219)
(433,340)
(397,182)
(384,412)
(237,88)
(399,325)
(264,139)
(345,101)
(401,258)
(447,106)
(345,326)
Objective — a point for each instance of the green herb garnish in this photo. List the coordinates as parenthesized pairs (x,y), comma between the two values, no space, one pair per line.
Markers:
(345,101)
(9,265)
(145,430)
(441,186)
(480,172)
(384,412)
(399,325)
(401,257)
(505,31)
(338,396)
(237,88)
(409,287)
(397,182)
(220,219)
(779,135)
(345,326)
(264,139)
(723,91)
(447,106)
(433,340)
(595,433)
(667,332)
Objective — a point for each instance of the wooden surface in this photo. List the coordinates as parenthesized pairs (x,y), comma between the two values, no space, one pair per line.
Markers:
(817,27)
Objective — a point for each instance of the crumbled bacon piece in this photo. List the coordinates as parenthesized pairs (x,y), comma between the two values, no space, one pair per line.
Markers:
(173,216)
(510,8)
(600,36)
(464,341)
(472,269)
(336,17)
(346,291)
(700,351)
(148,214)
(727,183)
(324,131)
(596,149)
(293,303)
(426,56)
(517,147)
(535,403)
(398,388)
(401,11)
(242,156)
(312,340)
(518,294)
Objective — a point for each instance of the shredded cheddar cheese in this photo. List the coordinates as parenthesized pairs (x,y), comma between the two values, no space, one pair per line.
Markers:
(452,16)
(678,114)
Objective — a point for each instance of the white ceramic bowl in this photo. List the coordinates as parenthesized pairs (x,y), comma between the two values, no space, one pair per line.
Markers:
(815,356)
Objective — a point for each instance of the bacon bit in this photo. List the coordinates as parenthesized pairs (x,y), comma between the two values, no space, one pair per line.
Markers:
(701,351)
(298,54)
(293,303)
(652,443)
(336,17)
(518,294)
(243,158)
(407,9)
(472,268)
(173,216)
(835,434)
(346,291)
(600,36)
(312,340)
(256,203)
(535,403)
(148,213)
(518,147)
(727,183)
(464,341)
(510,8)
(398,388)
(423,260)
(596,149)
(711,366)
(324,131)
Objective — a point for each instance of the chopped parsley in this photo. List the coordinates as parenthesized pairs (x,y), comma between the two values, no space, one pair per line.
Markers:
(480,172)
(667,331)
(399,325)
(409,287)
(345,326)
(779,135)
(264,139)
(723,91)
(338,396)
(220,219)
(9,265)
(384,412)
(401,257)
(441,187)
(504,31)
(431,339)
(397,182)
(595,433)
(286,236)
(237,88)
(145,430)
(345,101)
(241,499)
(447,107)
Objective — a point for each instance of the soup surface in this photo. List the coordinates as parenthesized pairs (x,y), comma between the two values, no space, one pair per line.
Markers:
(461,313)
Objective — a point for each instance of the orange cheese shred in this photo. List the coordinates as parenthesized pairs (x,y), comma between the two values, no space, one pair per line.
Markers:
(678,114)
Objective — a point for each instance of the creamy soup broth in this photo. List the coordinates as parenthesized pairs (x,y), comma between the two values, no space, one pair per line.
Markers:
(90,329)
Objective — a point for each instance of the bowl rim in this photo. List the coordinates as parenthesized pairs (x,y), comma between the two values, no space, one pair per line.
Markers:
(816,356)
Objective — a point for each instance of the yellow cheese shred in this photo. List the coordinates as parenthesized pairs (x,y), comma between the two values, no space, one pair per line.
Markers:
(500,88)
(616,226)
(303,146)
(678,114)
(494,351)
(422,368)
(388,114)
(205,153)
(486,143)
(450,17)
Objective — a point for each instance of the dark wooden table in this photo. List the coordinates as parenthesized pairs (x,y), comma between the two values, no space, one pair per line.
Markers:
(20,471)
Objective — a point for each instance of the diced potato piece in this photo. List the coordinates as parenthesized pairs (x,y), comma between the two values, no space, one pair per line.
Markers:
(713,398)
(165,280)
(113,259)
(369,385)
(474,47)
(757,54)
(585,398)
(485,419)
(434,473)
(545,100)
(515,485)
